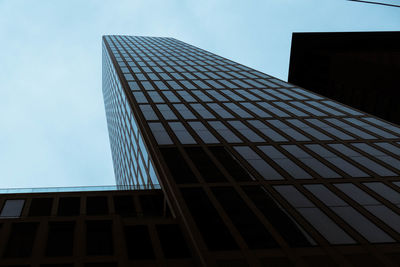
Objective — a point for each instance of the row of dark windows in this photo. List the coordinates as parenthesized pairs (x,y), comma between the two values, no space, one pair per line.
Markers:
(100,238)
(124,205)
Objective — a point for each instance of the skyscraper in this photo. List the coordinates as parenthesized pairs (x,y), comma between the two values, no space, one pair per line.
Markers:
(257,171)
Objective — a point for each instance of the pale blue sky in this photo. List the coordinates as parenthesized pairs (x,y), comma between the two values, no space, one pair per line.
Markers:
(52,119)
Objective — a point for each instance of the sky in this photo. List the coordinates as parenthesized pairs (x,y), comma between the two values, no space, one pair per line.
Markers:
(52,118)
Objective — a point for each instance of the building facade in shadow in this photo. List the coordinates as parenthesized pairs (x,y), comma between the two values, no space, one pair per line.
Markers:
(359,69)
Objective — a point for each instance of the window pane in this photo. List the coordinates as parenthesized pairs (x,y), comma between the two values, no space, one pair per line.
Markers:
(203,132)
(181,132)
(12,208)
(262,167)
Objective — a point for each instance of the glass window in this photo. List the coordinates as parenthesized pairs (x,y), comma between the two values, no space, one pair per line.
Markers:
(140,98)
(307,108)
(386,215)
(378,154)
(288,130)
(383,124)
(174,85)
(317,134)
(227,134)
(241,84)
(367,163)
(262,94)
(188,76)
(171,96)
(292,94)
(337,161)
(385,192)
(259,85)
(239,111)
(362,225)
(12,208)
(325,195)
(220,110)
(311,162)
(248,95)
(148,112)
(225,82)
(285,84)
(188,85)
(232,95)
(217,95)
(328,229)
(129,77)
(186,96)
(164,76)
(155,96)
(267,131)
(202,111)
(285,163)
(357,194)
(291,109)
(160,85)
(147,86)
(203,132)
(343,108)
(325,108)
(339,134)
(350,128)
(273,109)
(160,134)
(212,74)
(293,196)
(370,128)
(277,94)
(134,86)
(245,131)
(262,167)
(181,132)
(166,112)
(255,110)
(201,95)
(279,218)
(184,111)
(390,147)
(176,75)
(309,94)
(237,209)
(214,84)
(201,84)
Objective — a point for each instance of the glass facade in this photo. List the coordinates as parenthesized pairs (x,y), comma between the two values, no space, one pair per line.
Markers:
(132,164)
(233,140)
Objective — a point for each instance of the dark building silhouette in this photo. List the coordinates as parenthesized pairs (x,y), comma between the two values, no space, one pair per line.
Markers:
(217,164)
(359,69)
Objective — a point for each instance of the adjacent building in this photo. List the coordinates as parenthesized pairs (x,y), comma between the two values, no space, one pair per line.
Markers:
(217,164)
(359,69)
